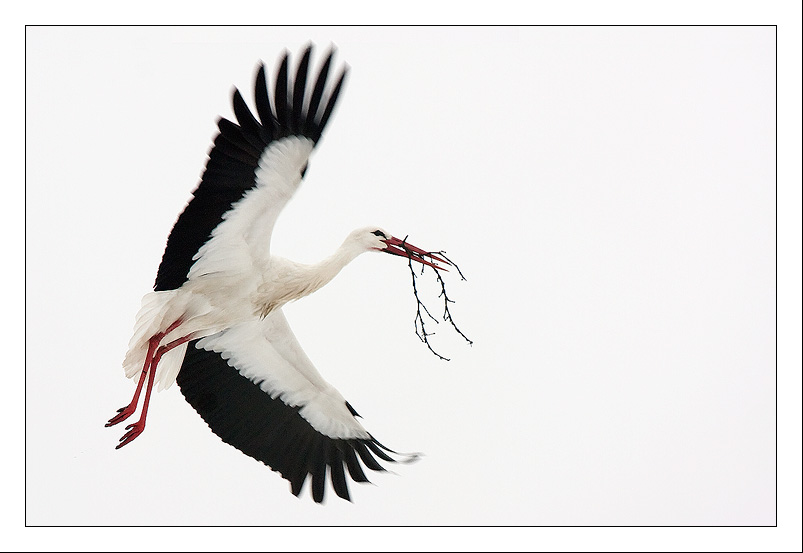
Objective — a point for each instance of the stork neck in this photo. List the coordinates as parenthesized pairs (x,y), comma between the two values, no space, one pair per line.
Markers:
(296,280)
(328,269)
(344,255)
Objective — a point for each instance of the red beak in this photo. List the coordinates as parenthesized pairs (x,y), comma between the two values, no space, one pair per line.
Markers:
(405,249)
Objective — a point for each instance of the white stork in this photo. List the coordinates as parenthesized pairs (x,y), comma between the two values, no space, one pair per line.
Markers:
(214,323)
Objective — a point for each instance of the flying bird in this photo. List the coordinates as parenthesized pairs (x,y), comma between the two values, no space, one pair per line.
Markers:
(214,322)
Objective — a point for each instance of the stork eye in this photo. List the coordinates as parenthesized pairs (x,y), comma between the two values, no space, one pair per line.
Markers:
(379,233)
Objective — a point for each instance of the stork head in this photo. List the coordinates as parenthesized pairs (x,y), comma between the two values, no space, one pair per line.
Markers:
(379,240)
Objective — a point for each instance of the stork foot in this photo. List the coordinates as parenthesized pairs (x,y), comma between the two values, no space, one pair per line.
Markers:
(134,430)
(122,414)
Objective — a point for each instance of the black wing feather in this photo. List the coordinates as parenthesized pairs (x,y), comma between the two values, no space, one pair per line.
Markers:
(253,132)
(355,470)
(262,99)
(234,144)
(365,455)
(378,452)
(317,94)
(317,467)
(280,98)
(297,460)
(330,105)
(298,91)
(338,476)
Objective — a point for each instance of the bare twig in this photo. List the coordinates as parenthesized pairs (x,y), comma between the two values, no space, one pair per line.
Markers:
(420,329)
(447,316)
(452,263)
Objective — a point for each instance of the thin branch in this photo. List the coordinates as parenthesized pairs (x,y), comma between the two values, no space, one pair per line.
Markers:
(447,315)
(452,263)
(420,329)
(419,319)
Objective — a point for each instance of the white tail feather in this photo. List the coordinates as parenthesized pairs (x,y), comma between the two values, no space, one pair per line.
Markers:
(150,319)
(169,365)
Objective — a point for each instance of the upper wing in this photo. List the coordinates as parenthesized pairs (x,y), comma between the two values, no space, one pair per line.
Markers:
(276,407)
(252,154)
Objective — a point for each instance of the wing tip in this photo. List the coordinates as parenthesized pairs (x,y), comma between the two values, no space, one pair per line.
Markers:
(291,114)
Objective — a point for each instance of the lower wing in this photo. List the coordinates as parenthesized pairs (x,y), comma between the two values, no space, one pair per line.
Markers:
(259,392)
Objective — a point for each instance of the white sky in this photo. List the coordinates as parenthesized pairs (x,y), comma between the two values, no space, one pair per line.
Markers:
(608,192)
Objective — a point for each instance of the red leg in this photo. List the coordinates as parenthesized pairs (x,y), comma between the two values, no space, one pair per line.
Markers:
(124,412)
(128,410)
(136,428)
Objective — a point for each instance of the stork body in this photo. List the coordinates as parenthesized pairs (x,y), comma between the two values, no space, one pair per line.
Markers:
(214,322)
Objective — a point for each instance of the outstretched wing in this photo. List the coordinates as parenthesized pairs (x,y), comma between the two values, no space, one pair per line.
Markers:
(266,155)
(276,407)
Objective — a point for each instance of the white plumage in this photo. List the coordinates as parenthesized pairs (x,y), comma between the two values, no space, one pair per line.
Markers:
(234,278)
(268,354)
(215,321)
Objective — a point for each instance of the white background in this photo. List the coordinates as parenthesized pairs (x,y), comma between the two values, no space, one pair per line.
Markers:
(608,192)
